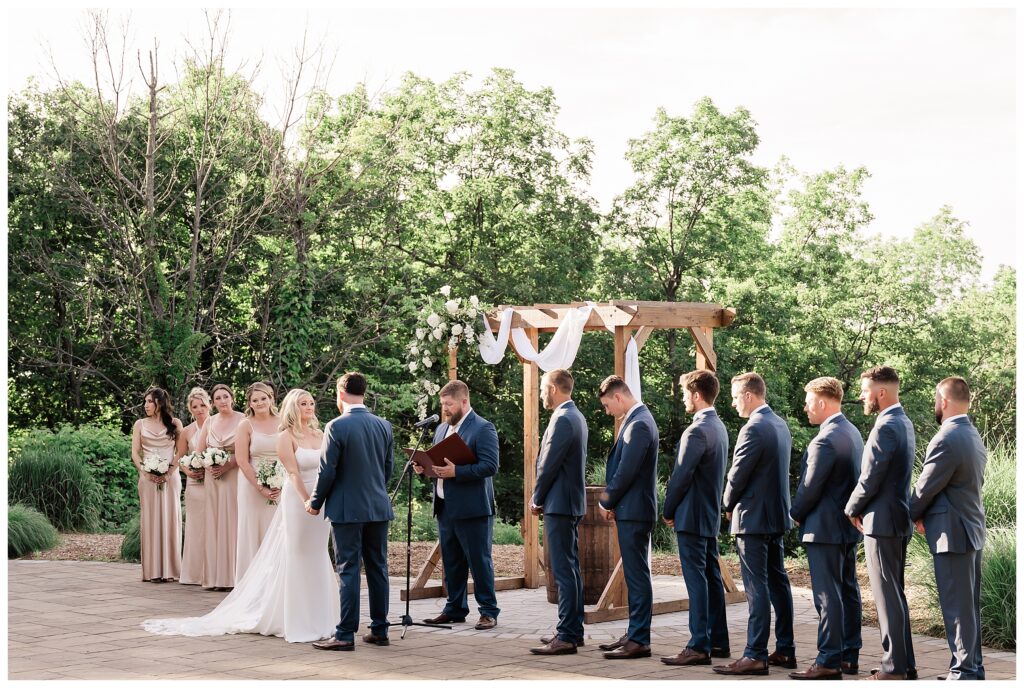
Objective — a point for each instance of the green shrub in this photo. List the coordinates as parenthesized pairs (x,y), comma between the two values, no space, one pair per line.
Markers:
(507,533)
(131,546)
(424,527)
(596,473)
(999,589)
(999,494)
(107,453)
(663,538)
(57,484)
(28,531)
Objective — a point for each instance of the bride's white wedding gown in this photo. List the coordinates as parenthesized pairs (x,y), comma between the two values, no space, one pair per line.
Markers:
(290,589)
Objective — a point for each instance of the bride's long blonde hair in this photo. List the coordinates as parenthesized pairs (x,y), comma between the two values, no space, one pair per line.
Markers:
(291,416)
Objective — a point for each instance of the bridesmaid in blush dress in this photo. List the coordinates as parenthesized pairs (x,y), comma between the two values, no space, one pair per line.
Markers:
(159,433)
(221,521)
(255,444)
(194,552)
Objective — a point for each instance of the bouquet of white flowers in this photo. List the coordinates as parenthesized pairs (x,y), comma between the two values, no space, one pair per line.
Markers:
(193,462)
(270,474)
(215,456)
(157,465)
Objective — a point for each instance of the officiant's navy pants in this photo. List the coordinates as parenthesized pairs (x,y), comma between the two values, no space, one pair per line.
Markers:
(465,547)
(367,542)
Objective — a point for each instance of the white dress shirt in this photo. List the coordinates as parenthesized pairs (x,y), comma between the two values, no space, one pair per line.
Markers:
(451,429)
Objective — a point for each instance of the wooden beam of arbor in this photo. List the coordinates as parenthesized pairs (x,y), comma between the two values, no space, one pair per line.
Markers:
(634,314)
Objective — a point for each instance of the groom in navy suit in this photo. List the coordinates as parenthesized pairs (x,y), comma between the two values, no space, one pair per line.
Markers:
(464,507)
(355,466)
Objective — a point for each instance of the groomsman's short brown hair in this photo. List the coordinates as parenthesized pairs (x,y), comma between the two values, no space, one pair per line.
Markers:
(352,383)
(825,387)
(703,382)
(562,379)
(752,382)
(456,389)
(883,374)
(955,388)
(611,385)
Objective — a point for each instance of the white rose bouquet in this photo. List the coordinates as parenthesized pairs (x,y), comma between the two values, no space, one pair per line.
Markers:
(156,465)
(271,474)
(215,456)
(193,462)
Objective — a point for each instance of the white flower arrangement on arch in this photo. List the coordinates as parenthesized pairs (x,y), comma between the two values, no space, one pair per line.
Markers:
(445,323)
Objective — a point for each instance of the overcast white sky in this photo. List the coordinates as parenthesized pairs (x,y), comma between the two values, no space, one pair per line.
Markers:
(924,98)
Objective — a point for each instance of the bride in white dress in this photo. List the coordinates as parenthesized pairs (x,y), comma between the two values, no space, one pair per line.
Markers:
(290,589)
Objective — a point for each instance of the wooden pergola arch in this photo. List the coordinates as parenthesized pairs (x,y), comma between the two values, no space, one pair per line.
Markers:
(636,319)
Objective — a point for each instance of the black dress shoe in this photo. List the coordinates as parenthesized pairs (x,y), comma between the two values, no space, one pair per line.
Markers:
(335,644)
(443,618)
(911,674)
(547,641)
(720,653)
(614,645)
(630,650)
(376,639)
(849,668)
(780,660)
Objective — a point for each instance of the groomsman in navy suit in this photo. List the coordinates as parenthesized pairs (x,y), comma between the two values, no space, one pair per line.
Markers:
(464,507)
(946,505)
(560,495)
(631,500)
(880,508)
(828,473)
(756,501)
(356,464)
(693,508)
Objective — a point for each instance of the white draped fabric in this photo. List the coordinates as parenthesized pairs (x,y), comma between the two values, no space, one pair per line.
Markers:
(561,350)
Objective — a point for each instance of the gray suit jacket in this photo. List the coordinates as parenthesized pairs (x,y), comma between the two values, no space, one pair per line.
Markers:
(882,495)
(562,464)
(693,498)
(948,492)
(757,488)
(828,473)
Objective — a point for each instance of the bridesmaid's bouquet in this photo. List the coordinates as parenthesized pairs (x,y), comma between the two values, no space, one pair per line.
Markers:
(270,474)
(194,462)
(157,465)
(215,456)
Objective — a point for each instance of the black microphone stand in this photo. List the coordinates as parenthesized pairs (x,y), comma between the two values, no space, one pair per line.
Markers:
(407,618)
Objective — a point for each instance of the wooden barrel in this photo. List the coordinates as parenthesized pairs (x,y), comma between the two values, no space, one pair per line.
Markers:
(598,551)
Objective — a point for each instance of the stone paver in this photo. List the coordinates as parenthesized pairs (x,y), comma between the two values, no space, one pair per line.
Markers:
(80,620)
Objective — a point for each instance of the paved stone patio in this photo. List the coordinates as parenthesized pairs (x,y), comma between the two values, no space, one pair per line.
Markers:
(80,620)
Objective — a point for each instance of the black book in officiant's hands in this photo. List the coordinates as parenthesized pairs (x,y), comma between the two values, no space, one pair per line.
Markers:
(451,448)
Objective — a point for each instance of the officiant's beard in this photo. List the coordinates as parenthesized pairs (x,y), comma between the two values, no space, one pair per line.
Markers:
(454,417)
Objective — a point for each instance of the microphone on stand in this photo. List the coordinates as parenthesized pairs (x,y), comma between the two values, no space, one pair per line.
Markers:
(430,420)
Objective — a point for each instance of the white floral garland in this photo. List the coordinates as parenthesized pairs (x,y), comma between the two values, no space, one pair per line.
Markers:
(445,324)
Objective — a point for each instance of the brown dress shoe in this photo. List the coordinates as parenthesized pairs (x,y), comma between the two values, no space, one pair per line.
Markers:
(630,650)
(443,618)
(720,652)
(376,639)
(849,668)
(744,666)
(335,644)
(614,645)
(817,673)
(688,657)
(485,623)
(911,674)
(546,641)
(884,676)
(780,660)
(555,647)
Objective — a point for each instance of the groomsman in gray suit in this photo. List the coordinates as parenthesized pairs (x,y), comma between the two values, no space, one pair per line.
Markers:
(756,501)
(355,466)
(828,473)
(560,495)
(880,508)
(693,508)
(946,506)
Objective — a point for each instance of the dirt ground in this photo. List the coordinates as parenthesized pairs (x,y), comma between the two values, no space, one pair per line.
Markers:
(508,561)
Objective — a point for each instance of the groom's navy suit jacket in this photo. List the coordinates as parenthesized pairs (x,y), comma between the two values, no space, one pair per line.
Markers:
(356,462)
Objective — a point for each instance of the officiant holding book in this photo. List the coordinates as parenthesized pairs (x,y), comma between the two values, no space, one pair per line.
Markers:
(464,508)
